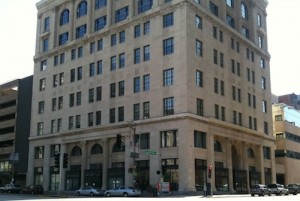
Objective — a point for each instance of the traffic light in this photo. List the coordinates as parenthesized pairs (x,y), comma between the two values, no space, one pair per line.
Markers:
(65,162)
(209,171)
(119,141)
(56,160)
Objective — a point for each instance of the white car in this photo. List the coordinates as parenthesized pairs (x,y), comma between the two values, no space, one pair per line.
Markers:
(89,190)
(123,191)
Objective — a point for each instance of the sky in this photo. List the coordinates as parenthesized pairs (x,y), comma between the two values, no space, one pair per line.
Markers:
(18,30)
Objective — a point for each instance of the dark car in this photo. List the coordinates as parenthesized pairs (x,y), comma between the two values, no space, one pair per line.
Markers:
(260,190)
(33,189)
(293,189)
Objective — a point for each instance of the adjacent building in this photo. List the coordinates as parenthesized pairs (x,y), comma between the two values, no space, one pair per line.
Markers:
(287,132)
(15,110)
(184,83)
(291,100)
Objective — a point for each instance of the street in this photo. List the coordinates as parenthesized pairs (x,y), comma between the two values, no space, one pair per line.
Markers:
(15,197)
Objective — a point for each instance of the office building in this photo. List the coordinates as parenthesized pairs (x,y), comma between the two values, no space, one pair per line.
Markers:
(185,83)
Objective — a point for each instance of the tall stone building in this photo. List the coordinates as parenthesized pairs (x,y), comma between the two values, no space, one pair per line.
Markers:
(185,83)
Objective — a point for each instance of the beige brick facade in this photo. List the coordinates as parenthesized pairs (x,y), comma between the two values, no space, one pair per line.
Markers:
(207,105)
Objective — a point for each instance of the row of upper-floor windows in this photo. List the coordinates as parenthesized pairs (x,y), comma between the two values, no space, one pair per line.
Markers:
(168,20)
(288,136)
(139,111)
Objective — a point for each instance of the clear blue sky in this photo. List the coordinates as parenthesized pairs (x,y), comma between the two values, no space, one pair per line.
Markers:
(18,29)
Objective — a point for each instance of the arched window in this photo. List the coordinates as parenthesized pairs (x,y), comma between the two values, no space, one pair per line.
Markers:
(82,9)
(117,149)
(64,17)
(96,149)
(217,146)
(76,151)
(250,153)
(244,11)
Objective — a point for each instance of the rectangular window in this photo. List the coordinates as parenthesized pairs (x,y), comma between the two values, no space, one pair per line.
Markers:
(54,104)
(136,84)
(229,3)
(55,62)
(122,36)
(121,14)
(263,82)
(73,54)
(264,106)
(72,75)
(144,5)
(46,24)
(100,44)
(98,118)
(137,55)
(223,115)
(146,110)
(168,77)
(266,128)
(100,3)
(40,128)
(122,60)
(61,78)
(215,56)
(230,21)
(71,100)
(168,20)
(71,122)
(63,38)
(91,95)
(267,152)
(146,27)
(39,152)
(137,31)
(90,119)
(168,46)
(99,93)
(113,40)
(121,88)
(79,73)
(198,22)
(213,8)
(92,69)
(146,82)
(78,121)
(112,115)
(99,67)
(100,23)
(60,102)
(259,21)
(221,59)
(136,111)
(199,78)
(262,63)
(200,139)
(120,114)
(62,58)
(233,93)
(168,106)
(234,117)
(144,139)
(113,63)
(80,31)
(216,85)
(147,53)
(78,98)
(113,90)
(217,116)
(55,80)
(198,48)
(80,52)
(200,107)
(169,138)
(41,107)
(45,45)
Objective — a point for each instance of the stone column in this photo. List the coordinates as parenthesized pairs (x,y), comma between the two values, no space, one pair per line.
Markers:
(273,164)
(90,16)
(261,163)
(62,174)
(105,163)
(83,162)
(30,170)
(109,12)
(132,8)
(211,160)
(245,162)
(186,158)
(229,164)
(46,167)
(72,15)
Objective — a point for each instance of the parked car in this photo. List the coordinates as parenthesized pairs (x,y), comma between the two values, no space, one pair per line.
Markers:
(278,189)
(33,189)
(293,189)
(260,190)
(89,190)
(11,188)
(123,191)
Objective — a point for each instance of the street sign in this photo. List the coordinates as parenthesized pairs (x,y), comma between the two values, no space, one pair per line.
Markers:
(150,152)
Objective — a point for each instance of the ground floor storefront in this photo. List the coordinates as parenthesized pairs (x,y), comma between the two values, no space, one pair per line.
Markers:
(188,153)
